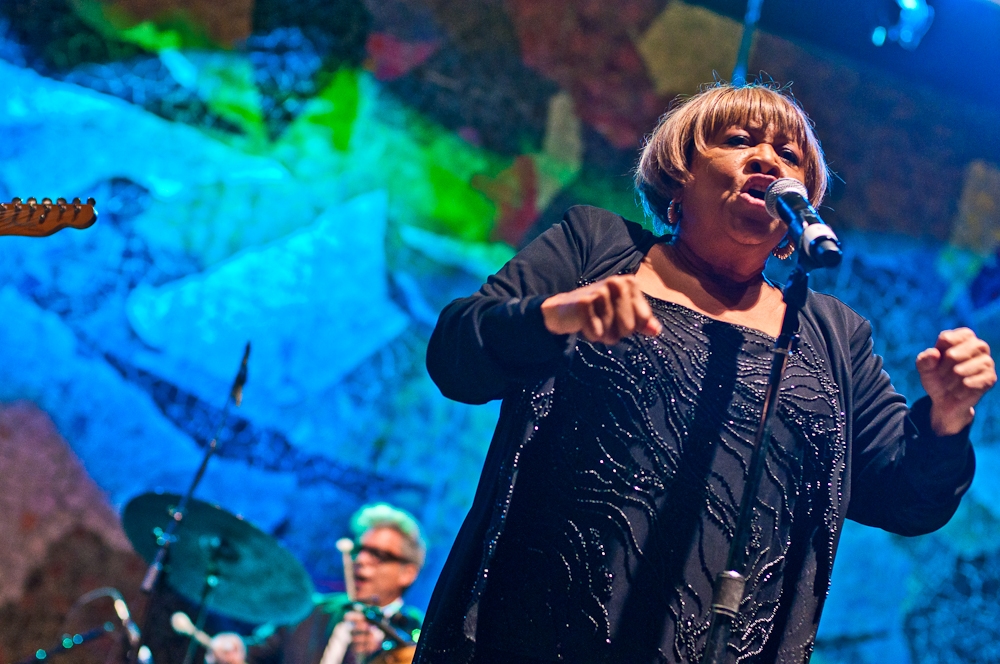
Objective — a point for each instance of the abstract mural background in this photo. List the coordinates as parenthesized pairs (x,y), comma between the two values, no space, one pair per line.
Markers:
(320,178)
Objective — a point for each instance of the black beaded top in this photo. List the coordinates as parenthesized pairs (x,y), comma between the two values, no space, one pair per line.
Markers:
(625,501)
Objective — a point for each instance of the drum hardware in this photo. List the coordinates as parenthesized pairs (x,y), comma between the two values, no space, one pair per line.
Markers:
(211,557)
(166,531)
(346,545)
(221,561)
(225,564)
(211,545)
(68,642)
(166,536)
(130,632)
(182,625)
(400,653)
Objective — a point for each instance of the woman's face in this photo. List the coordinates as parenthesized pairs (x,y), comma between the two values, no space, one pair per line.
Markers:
(723,204)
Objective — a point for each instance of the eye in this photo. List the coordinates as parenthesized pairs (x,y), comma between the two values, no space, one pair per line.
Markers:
(738,140)
(790,156)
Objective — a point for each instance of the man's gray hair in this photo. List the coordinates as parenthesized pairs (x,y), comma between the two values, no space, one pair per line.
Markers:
(384,515)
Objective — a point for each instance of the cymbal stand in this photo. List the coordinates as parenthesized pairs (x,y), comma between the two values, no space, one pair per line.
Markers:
(214,546)
(69,642)
(129,636)
(164,539)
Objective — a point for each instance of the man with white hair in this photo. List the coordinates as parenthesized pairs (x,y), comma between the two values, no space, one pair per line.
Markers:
(388,555)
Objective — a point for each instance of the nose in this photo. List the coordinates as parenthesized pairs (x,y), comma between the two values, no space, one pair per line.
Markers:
(765,160)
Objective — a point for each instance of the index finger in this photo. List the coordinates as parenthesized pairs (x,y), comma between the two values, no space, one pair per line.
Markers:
(948,338)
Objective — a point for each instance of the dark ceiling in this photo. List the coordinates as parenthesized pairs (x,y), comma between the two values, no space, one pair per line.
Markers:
(960,54)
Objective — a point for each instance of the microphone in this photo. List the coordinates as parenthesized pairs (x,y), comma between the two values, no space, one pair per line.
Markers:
(236,393)
(788,200)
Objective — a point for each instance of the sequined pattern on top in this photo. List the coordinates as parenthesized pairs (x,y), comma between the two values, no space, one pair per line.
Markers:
(626,500)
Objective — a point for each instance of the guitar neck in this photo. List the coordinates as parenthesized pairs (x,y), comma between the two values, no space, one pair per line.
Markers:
(34,218)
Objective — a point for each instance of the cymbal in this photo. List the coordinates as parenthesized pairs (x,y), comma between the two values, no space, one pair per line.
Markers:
(258,580)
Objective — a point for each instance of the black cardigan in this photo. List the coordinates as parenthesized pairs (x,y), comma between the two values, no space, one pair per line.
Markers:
(494,345)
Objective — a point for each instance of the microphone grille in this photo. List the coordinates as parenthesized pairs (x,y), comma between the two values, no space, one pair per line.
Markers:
(779,187)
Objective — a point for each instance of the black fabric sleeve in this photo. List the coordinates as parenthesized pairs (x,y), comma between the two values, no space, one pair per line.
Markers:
(904,478)
(486,343)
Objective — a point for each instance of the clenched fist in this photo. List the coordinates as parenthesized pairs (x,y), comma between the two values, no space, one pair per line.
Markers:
(955,373)
(605,311)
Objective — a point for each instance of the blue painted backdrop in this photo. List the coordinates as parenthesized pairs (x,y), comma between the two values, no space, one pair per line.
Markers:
(322,181)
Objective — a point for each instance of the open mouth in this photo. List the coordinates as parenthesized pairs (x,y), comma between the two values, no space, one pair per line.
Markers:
(756,186)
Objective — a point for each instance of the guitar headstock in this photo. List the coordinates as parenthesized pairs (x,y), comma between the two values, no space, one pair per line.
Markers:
(40,218)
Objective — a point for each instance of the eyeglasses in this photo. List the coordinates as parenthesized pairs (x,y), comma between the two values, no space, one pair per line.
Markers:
(381,555)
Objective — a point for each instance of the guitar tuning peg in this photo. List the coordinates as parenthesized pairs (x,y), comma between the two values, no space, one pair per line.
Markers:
(16,201)
(76,201)
(91,201)
(32,201)
(46,201)
(61,201)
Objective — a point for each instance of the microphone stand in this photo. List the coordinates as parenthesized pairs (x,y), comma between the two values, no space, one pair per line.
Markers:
(129,635)
(150,582)
(750,20)
(730,584)
(68,643)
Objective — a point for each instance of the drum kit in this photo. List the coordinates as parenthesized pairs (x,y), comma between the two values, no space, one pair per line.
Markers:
(209,556)
(221,561)
(225,565)
(229,566)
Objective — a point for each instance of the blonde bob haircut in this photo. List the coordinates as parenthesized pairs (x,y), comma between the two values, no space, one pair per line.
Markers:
(664,166)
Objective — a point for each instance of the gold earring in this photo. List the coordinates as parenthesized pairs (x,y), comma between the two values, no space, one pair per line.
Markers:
(784,250)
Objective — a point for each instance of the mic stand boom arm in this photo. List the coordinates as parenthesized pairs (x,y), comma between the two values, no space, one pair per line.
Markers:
(730,584)
(164,539)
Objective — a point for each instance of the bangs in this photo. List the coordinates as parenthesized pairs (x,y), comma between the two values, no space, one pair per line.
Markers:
(755,107)
(664,166)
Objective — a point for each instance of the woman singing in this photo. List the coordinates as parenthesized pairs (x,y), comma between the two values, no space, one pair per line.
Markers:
(632,369)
